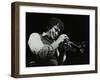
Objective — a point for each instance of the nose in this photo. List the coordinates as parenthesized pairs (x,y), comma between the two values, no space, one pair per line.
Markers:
(56,33)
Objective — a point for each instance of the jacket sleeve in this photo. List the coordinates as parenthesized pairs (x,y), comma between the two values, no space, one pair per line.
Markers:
(37,47)
(35,43)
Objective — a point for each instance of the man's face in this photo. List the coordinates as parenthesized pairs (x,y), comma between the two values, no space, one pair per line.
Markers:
(54,32)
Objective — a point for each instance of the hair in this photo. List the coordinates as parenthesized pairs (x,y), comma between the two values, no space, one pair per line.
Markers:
(55,21)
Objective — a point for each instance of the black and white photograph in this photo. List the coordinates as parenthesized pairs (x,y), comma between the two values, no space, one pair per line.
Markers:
(51,39)
(56,39)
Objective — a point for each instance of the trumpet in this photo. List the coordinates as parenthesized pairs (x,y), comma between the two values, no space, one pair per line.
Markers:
(69,43)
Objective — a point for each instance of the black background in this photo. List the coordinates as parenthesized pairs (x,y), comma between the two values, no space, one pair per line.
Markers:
(75,26)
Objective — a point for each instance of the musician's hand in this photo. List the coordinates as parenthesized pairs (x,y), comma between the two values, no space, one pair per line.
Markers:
(61,38)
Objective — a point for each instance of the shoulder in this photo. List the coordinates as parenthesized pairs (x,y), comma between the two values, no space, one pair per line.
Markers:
(35,35)
(34,42)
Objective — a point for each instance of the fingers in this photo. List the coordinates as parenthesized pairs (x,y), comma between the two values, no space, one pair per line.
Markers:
(62,38)
(65,36)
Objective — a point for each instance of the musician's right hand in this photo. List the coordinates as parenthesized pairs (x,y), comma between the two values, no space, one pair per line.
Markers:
(61,38)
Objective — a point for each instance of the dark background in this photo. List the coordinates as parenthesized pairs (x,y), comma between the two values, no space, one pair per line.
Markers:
(75,26)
